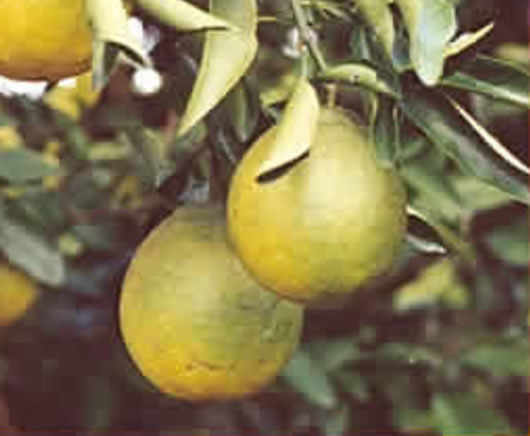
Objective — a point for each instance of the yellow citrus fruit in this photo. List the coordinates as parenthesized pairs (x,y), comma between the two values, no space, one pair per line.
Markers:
(196,324)
(17,294)
(325,225)
(44,39)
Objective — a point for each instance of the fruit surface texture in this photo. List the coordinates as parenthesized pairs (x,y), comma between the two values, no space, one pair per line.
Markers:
(17,294)
(320,227)
(44,39)
(196,324)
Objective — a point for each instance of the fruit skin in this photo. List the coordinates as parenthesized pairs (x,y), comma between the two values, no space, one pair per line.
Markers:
(325,227)
(196,324)
(17,294)
(44,39)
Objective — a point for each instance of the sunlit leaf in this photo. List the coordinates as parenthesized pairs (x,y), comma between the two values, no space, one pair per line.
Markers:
(226,57)
(495,78)
(182,15)
(108,20)
(296,129)
(446,128)
(430,25)
(438,283)
(466,40)
(307,377)
(463,414)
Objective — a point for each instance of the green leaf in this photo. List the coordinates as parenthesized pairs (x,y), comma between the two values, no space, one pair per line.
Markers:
(361,75)
(510,243)
(353,384)
(504,359)
(31,252)
(378,15)
(108,19)
(153,151)
(181,15)
(385,129)
(462,414)
(495,78)
(334,354)
(337,422)
(295,131)
(466,40)
(308,378)
(430,25)
(243,111)
(436,283)
(226,57)
(19,165)
(446,235)
(444,126)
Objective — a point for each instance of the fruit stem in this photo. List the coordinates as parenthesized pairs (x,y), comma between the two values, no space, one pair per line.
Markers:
(307,34)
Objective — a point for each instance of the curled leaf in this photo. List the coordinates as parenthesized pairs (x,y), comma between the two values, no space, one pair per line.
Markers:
(182,15)
(295,131)
(226,57)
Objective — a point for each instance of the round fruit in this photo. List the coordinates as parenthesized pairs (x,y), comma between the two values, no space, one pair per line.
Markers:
(196,324)
(17,293)
(44,39)
(318,229)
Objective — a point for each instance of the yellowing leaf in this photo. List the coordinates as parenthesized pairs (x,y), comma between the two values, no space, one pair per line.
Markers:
(296,129)
(226,57)
(182,15)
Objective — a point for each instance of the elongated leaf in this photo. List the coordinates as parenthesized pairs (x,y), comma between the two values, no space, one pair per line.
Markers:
(491,141)
(466,40)
(108,19)
(307,377)
(242,107)
(226,57)
(182,15)
(361,75)
(446,128)
(463,414)
(31,253)
(494,78)
(296,129)
(378,15)
(430,25)
(385,131)
(440,236)
(19,165)
(498,359)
